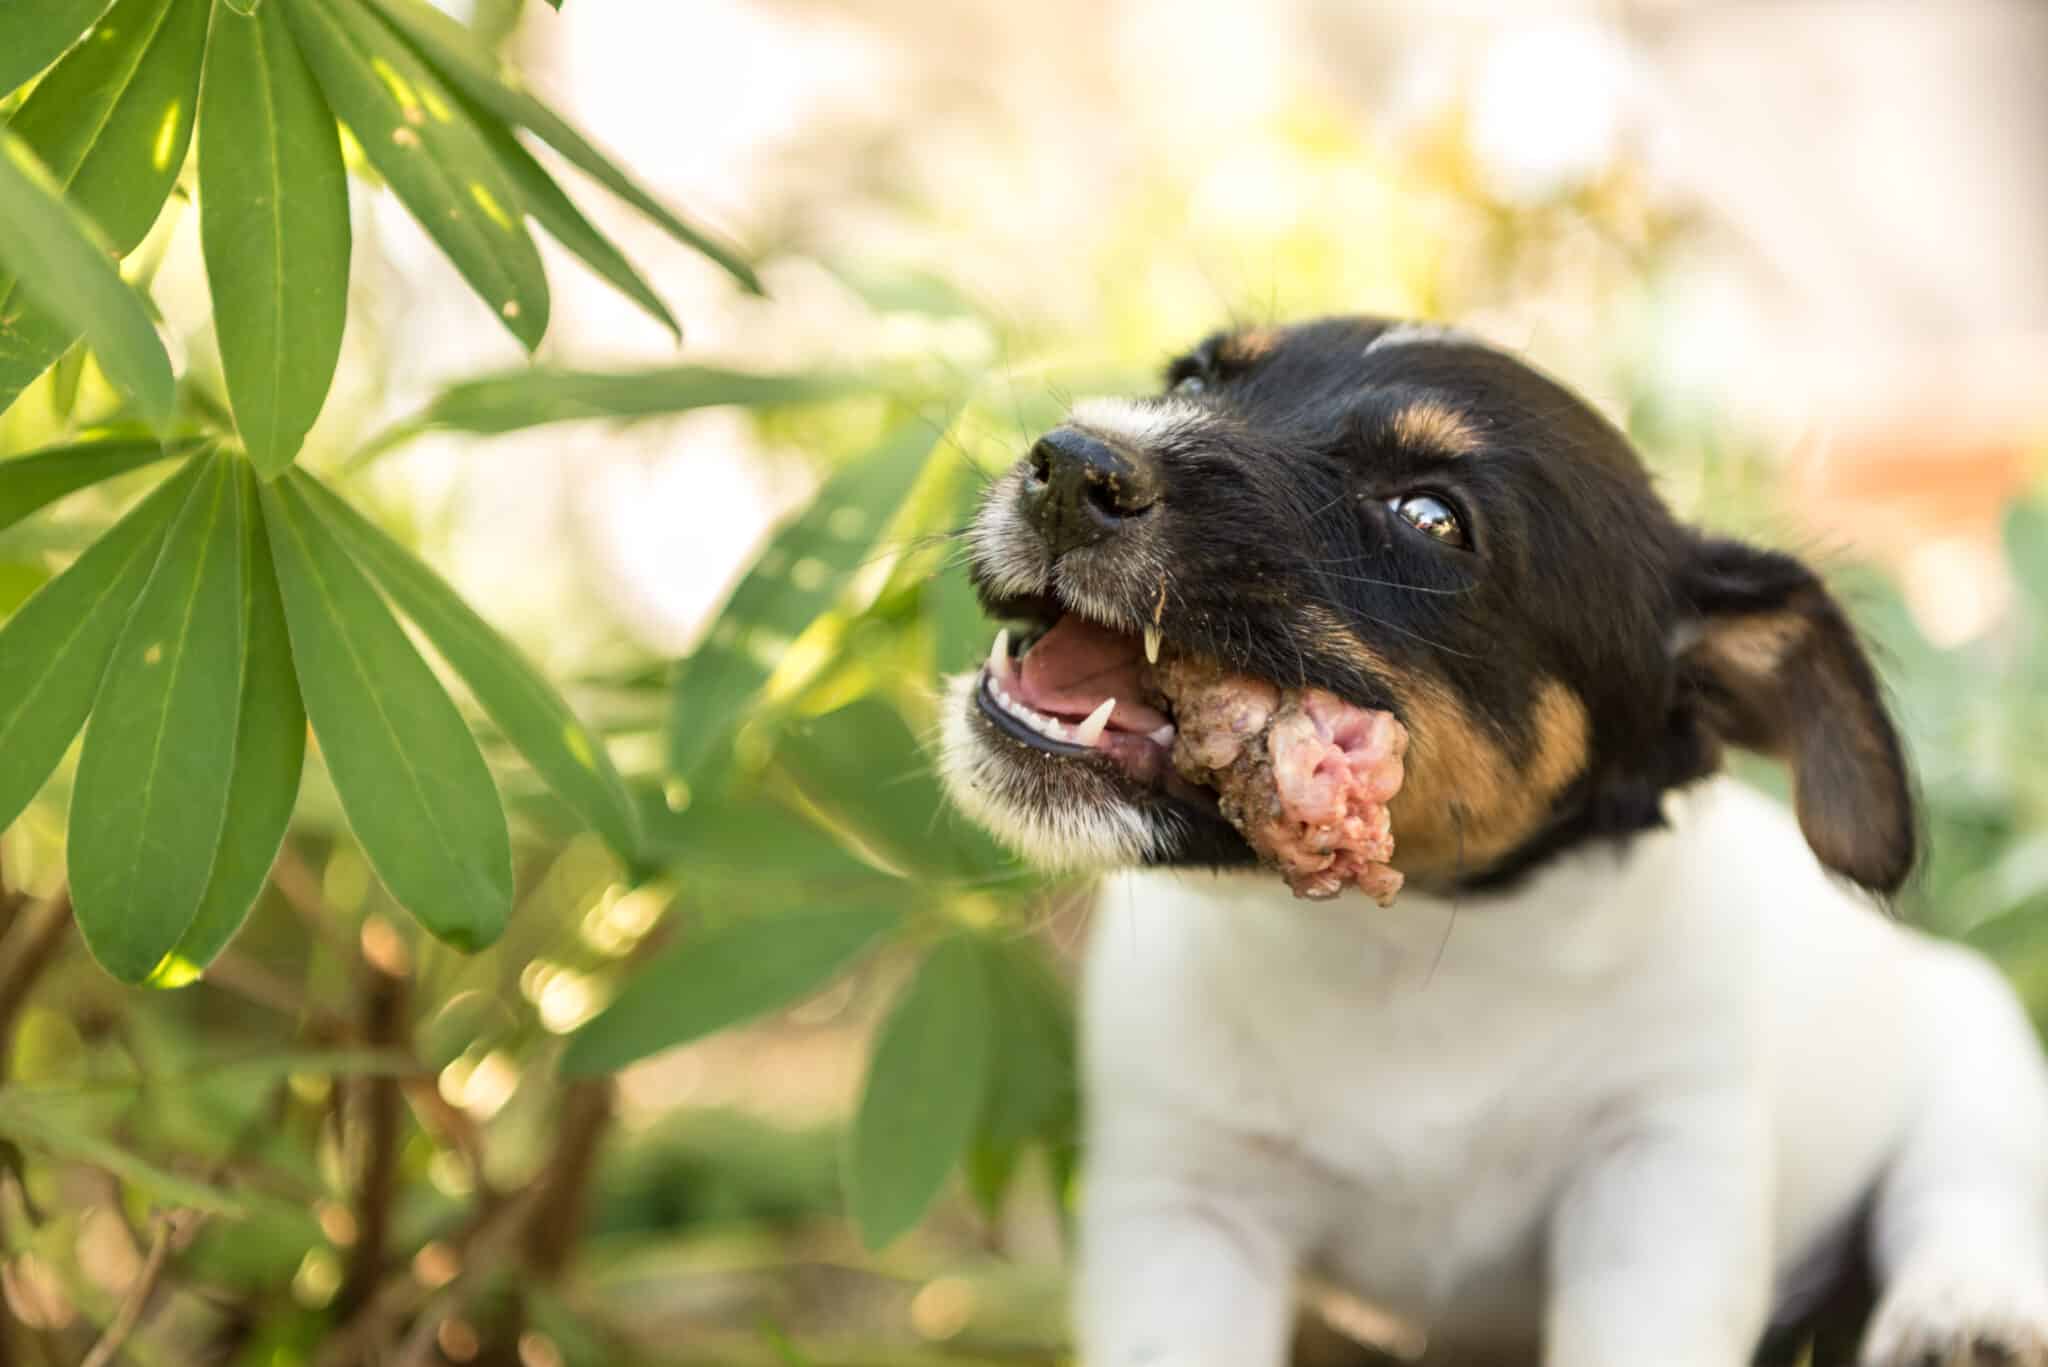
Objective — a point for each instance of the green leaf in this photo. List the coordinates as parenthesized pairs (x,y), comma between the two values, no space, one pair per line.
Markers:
(270,751)
(476,71)
(557,213)
(53,651)
(152,790)
(273,217)
(34,33)
(514,400)
(530,713)
(925,1084)
(420,140)
(411,780)
(796,577)
(2026,548)
(42,477)
(1033,1069)
(75,289)
(862,766)
(723,976)
(38,1126)
(111,122)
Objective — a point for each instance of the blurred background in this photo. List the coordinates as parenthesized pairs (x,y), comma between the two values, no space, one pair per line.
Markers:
(1797,248)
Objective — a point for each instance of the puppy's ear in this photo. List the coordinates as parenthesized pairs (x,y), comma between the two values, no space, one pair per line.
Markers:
(1776,668)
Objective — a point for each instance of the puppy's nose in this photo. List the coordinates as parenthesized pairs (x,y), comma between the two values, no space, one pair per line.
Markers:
(1082,490)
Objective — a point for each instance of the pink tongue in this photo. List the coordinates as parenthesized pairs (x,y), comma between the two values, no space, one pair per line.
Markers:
(1077,664)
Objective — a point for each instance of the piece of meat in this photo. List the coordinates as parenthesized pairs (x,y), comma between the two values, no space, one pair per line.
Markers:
(1303,775)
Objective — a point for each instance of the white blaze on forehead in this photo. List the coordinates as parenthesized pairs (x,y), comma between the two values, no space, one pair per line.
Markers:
(1142,423)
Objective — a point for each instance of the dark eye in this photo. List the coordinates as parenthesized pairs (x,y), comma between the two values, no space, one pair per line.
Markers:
(1431,516)
(1190,384)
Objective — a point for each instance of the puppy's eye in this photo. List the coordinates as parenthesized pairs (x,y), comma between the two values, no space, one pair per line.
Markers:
(1191,384)
(1431,516)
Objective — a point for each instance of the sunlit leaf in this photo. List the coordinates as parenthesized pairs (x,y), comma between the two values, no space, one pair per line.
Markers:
(557,213)
(862,766)
(274,222)
(520,399)
(54,650)
(67,285)
(797,576)
(476,71)
(523,704)
(111,122)
(152,790)
(40,478)
(422,142)
(925,1083)
(723,976)
(34,33)
(270,750)
(411,779)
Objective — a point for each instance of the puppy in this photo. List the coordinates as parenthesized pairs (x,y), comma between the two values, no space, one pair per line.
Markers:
(1633,1070)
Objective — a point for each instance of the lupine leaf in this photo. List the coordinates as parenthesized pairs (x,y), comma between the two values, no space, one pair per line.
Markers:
(273,213)
(925,1084)
(54,650)
(474,70)
(797,576)
(67,286)
(523,704)
(716,978)
(40,478)
(411,780)
(514,400)
(34,33)
(111,123)
(424,145)
(152,790)
(270,751)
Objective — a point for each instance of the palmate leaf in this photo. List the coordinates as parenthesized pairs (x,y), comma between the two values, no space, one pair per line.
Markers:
(796,577)
(424,145)
(152,791)
(525,707)
(716,978)
(270,751)
(274,223)
(55,649)
(475,71)
(34,33)
(926,1081)
(111,122)
(66,285)
(33,481)
(411,779)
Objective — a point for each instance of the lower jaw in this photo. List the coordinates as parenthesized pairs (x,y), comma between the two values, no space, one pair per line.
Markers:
(1135,762)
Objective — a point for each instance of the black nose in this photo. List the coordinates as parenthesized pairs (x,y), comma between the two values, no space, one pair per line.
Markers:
(1080,489)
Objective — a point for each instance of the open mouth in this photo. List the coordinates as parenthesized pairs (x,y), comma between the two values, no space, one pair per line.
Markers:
(1082,689)
(1302,776)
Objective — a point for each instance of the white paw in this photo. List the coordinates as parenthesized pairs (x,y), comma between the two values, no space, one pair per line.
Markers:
(1937,1321)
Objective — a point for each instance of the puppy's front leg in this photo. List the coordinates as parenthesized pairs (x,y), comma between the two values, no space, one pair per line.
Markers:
(1173,1277)
(1660,1250)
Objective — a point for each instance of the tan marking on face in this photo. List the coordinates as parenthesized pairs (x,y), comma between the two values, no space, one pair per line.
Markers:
(1463,804)
(1430,425)
(1250,346)
(1323,633)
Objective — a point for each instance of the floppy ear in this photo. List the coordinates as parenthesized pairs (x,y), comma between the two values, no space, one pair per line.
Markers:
(1776,667)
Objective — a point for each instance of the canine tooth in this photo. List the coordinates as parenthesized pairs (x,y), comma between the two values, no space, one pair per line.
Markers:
(999,655)
(1152,645)
(1090,731)
(1163,736)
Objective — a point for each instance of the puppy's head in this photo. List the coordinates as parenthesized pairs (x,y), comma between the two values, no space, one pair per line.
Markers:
(1420,524)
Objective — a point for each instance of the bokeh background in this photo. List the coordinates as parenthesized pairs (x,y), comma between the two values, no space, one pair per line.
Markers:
(1797,248)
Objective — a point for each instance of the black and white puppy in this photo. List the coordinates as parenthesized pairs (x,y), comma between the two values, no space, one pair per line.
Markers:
(1632,1069)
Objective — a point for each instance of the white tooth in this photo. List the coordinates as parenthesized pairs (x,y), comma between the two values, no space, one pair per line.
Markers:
(1163,736)
(1090,731)
(1152,645)
(999,655)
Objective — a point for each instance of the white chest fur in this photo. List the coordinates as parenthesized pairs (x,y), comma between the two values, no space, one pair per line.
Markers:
(1401,1097)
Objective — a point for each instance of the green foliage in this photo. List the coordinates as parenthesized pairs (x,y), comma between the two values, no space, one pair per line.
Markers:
(39,33)
(153,776)
(926,1081)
